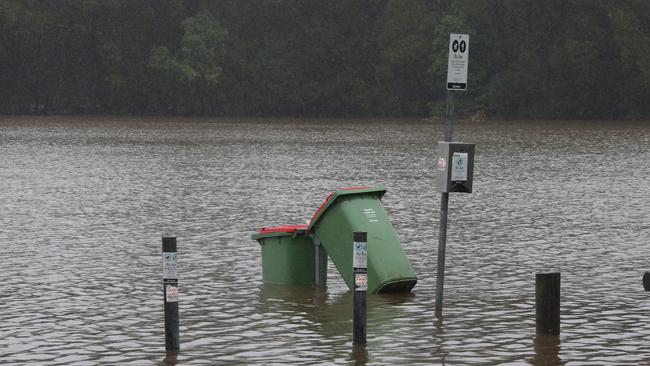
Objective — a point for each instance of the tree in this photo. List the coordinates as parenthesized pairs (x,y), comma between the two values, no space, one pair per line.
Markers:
(528,59)
(405,80)
(189,80)
(631,35)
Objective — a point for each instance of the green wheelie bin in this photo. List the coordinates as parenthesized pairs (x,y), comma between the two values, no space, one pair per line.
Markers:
(288,256)
(359,209)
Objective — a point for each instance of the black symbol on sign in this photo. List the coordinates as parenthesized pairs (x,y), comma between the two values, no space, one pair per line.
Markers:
(462,46)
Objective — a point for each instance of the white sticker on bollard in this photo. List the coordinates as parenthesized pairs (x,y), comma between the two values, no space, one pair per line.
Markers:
(361,281)
(360,255)
(171,293)
(169,265)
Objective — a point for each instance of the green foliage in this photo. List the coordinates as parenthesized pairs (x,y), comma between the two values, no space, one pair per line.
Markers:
(405,82)
(187,83)
(202,46)
(528,59)
(168,68)
(631,35)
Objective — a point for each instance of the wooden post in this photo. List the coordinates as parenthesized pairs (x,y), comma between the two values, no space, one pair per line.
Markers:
(547,303)
(360,288)
(170,293)
(646,281)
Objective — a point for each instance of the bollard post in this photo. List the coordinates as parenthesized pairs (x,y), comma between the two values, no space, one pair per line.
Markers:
(360,290)
(170,294)
(547,303)
(646,281)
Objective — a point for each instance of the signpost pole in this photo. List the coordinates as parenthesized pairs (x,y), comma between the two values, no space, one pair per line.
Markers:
(456,80)
(444,208)
(449,124)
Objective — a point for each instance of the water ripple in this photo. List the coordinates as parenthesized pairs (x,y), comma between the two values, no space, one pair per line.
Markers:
(85,203)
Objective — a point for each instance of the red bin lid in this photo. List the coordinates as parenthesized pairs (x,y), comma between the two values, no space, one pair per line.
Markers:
(282,229)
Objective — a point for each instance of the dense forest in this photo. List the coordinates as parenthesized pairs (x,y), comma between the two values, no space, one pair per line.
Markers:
(585,59)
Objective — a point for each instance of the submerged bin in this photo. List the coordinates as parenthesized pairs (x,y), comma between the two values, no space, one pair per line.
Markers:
(288,256)
(359,209)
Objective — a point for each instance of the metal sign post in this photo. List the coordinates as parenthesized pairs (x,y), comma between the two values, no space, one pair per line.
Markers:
(456,80)
(444,208)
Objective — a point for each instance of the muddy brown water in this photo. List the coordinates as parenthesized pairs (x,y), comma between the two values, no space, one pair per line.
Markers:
(85,201)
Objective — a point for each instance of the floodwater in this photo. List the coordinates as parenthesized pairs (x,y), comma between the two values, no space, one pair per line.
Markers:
(85,202)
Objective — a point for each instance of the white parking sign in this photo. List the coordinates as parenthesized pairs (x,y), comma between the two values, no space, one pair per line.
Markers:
(458,60)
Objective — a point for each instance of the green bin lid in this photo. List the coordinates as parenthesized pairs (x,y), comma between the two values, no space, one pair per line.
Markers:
(283,230)
(331,199)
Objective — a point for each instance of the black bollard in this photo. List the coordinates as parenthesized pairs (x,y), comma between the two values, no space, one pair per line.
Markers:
(547,303)
(170,293)
(646,281)
(360,288)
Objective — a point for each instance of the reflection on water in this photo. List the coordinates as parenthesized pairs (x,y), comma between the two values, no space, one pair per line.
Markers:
(547,350)
(171,359)
(86,201)
(359,355)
